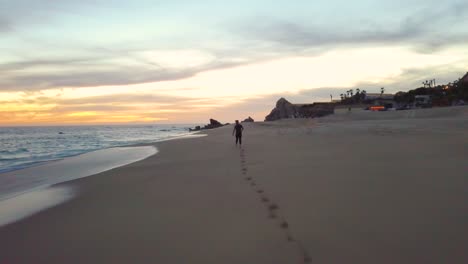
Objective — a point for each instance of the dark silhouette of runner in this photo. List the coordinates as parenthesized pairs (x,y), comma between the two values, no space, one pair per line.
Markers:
(238,128)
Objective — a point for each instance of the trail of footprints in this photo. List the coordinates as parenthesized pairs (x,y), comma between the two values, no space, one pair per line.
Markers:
(273,209)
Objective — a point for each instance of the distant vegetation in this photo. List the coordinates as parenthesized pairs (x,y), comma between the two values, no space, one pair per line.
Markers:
(442,95)
(353,98)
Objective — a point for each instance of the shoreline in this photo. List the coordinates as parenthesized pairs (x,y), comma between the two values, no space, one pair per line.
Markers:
(326,191)
(15,204)
(60,154)
(26,192)
(43,162)
(75,167)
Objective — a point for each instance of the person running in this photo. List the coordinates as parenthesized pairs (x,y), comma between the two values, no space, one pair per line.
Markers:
(238,128)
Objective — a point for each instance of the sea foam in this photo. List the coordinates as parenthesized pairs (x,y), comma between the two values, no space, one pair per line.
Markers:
(31,190)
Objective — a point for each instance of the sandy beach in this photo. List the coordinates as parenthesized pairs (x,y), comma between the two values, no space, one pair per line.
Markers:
(359,187)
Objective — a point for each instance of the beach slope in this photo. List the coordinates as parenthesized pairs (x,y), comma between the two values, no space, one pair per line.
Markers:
(356,187)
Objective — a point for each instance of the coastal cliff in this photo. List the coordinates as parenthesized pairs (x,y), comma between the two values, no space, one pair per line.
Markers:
(285,109)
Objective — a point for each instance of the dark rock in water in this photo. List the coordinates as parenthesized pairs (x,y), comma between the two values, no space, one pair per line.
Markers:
(285,109)
(213,124)
(61,133)
(197,128)
(249,119)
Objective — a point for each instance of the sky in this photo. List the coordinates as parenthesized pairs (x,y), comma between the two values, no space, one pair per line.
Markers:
(67,62)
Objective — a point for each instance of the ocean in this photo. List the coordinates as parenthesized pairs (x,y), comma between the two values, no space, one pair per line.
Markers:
(22,147)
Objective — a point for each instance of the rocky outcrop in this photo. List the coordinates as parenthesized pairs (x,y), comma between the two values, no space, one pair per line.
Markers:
(197,128)
(315,110)
(283,109)
(249,119)
(213,124)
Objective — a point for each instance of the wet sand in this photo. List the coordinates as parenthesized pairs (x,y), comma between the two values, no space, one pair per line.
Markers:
(355,187)
(16,182)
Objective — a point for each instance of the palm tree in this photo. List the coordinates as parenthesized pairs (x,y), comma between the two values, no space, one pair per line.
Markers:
(426,84)
(382,90)
(358,95)
(342,96)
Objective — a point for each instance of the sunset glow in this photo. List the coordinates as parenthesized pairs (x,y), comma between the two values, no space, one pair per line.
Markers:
(94,63)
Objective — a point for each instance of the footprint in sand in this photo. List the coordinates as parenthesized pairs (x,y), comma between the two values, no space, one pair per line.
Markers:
(273,207)
(272,215)
(284,225)
(272,210)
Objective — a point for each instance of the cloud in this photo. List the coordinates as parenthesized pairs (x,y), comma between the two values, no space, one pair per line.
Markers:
(96,108)
(5,25)
(426,29)
(131,107)
(253,41)
(117,108)
(40,74)
(21,65)
(112,104)
(126,99)
(88,78)
(412,78)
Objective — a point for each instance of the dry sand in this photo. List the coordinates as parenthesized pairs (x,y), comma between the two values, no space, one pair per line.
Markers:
(360,187)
